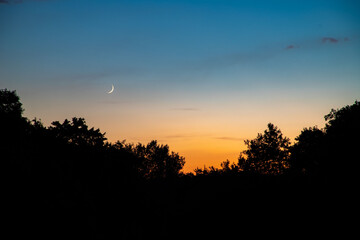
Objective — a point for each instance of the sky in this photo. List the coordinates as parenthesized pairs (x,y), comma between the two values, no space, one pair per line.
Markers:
(200,76)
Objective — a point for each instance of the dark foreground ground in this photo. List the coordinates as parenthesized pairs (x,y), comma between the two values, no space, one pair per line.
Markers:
(189,207)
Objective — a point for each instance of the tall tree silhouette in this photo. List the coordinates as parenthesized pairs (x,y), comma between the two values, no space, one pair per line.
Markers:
(268,153)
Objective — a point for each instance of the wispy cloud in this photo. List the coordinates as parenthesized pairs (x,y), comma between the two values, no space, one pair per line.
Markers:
(185,109)
(230,138)
(263,53)
(179,136)
(226,60)
(111,102)
(19,1)
(11,1)
(187,136)
(317,42)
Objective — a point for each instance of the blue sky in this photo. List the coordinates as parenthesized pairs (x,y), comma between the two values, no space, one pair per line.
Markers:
(182,68)
(127,37)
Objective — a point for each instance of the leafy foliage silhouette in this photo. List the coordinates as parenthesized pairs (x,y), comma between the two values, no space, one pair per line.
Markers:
(157,161)
(77,132)
(10,104)
(226,169)
(342,144)
(268,153)
(12,124)
(307,153)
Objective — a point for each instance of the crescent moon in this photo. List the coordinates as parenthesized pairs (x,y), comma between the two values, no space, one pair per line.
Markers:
(112,89)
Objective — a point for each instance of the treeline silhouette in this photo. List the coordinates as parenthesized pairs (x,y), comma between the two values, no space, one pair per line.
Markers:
(67,181)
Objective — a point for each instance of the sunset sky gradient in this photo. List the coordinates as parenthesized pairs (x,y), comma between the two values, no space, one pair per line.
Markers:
(200,76)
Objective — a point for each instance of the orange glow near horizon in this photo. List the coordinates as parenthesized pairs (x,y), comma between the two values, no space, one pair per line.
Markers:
(201,151)
(210,143)
(206,135)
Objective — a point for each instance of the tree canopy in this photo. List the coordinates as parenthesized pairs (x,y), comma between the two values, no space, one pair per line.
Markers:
(268,153)
(10,104)
(155,160)
(77,132)
(307,152)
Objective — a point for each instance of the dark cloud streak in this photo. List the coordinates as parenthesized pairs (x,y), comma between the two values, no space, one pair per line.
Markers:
(329,39)
(262,53)
(291,47)
(19,1)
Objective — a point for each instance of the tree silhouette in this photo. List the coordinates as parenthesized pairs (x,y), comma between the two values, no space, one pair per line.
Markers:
(342,142)
(268,153)
(307,154)
(343,120)
(10,104)
(13,127)
(157,162)
(78,133)
(329,153)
